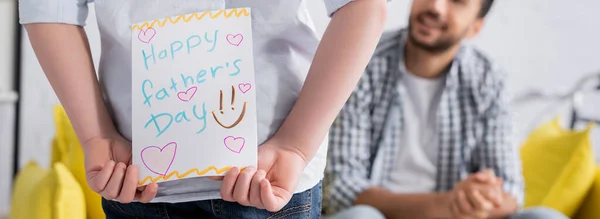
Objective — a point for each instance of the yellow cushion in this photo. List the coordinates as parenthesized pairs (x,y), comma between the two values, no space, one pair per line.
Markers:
(41,194)
(58,151)
(558,166)
(71,154)
(25,182)
(57,196)
(590,208)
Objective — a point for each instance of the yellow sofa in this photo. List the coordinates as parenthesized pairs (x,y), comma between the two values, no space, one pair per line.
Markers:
(558,167)
(60,192)
(68,150)
(560,171)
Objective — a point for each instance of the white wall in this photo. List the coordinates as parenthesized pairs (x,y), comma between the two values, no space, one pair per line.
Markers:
(542,46)
(7,108)
(6,41)
(546,45)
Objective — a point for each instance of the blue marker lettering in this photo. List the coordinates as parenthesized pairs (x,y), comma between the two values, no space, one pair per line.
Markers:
(214,41)
(147,97)
(202,118)
(180,117)
(200,76)
(175,49)
(213,70)
(162,54)
(173,85)
(236,67)
(162,94)
(189,45)
(185,80)
(159,129)
(146,57)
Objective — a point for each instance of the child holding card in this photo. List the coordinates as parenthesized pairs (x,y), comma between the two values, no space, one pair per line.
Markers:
(174,70)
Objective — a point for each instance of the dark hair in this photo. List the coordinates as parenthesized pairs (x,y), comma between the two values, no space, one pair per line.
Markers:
(486,5)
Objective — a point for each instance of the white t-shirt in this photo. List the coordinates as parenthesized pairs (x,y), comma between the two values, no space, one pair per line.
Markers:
(285,42)
(415,170)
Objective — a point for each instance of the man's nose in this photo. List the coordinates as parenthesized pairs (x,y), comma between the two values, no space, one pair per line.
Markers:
(438,7)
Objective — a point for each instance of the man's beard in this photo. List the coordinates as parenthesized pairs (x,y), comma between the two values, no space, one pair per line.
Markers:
(439,46)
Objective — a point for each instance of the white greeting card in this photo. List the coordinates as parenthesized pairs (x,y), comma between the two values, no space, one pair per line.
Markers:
(193,95)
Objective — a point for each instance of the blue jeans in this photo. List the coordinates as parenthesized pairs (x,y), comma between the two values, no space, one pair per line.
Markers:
(363,211)
(302,205)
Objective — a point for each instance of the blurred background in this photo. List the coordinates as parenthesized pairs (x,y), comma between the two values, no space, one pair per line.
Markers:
(547,47)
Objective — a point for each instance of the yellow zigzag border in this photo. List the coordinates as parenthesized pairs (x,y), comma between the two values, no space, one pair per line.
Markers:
(227,13)
(179,176)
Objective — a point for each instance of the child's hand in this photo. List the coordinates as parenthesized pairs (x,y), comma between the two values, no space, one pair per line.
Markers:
(272,186)
(109,171)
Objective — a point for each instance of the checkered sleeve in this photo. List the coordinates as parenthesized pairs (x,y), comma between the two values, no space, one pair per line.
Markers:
(348,164)
(498,151)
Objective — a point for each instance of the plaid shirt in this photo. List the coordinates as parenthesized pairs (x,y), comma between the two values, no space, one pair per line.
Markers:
(474,127)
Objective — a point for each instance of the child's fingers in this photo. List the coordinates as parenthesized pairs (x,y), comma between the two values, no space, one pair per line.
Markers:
(268,198)
(113,188)
(242,186)
(271,200)
(228,184)
(129,185)
(255,199)
(98,179)
(147,194)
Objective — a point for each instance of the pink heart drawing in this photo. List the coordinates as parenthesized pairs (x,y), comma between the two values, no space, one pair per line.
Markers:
(234,144)
(159,160)
(146,35)
(244,87)
(187,95)
(235,40)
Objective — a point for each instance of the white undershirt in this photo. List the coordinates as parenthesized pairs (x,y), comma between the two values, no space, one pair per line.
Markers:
(415,170)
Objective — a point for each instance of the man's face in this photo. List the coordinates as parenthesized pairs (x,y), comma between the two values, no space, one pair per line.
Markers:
(437,25)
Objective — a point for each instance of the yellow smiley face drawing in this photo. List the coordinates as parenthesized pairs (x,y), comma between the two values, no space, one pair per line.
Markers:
(222,112)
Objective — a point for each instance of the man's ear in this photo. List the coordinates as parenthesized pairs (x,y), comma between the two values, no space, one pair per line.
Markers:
(476,28)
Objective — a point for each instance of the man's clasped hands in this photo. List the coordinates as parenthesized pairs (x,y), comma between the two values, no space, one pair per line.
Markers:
(476,196)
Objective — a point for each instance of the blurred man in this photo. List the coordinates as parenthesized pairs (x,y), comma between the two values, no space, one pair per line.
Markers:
(426,133)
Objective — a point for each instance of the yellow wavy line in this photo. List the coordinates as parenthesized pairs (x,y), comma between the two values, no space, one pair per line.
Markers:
(227,13)
(179,176)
